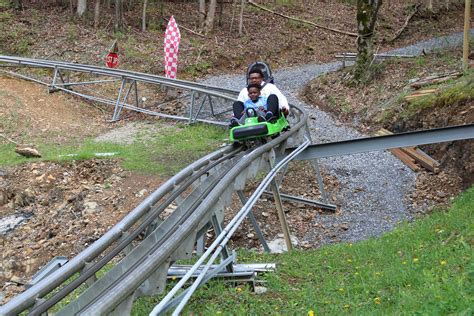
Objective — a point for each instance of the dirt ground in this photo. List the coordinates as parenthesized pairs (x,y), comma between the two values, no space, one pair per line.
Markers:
(275,39)
(365,107)
(69,205)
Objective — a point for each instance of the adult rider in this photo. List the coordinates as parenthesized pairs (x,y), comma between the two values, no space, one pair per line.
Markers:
(276,101)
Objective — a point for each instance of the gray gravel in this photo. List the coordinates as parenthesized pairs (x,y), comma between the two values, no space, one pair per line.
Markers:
(373,186)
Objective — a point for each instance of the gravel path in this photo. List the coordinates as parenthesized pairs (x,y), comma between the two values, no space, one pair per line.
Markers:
(373,186)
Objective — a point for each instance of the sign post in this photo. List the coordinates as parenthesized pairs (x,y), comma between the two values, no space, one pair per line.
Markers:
(112,59)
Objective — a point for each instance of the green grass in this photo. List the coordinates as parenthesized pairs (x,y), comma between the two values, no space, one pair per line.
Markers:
(164,153)
(5,4)
(449,94)
(421,268)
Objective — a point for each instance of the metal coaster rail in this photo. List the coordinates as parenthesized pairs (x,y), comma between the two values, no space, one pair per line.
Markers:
(28,298)
(176,83)
(208,185)
(207,92)
(106,302)
(189,220)
(138,263)
(147,221)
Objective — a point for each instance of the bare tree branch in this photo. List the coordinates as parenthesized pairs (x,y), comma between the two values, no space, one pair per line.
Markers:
(8,139)
(302,21)
(400,31)
(187,29)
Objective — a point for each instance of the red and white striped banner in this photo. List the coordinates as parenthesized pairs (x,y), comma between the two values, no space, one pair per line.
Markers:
(172,38)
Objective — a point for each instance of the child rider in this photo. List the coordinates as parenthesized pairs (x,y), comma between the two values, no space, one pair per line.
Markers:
(257,102)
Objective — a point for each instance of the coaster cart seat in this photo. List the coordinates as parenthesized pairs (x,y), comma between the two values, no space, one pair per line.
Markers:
(253,129)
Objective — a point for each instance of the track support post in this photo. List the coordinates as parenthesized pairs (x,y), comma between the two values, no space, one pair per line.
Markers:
(252,219)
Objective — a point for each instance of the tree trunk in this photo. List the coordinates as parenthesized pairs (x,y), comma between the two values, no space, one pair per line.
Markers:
(430,5)
(118,20)
(81,7)
(202,13)
(241,19)
(366,17)
(211,12)
(96,13)
(145,2)
(18,5)
(221,10)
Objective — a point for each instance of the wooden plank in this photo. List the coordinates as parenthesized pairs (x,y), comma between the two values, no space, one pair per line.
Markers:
(425,155)
(423,159)
(419,93)
(407,160)
(423,91)
(435,79)
(416,154)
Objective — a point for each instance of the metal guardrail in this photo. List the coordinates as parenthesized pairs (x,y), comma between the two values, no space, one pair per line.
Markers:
(128,82)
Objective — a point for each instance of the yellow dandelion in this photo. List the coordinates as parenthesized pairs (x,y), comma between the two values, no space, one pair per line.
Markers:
(310,313)
(346,306)
(377,300)
(443,262)
(173,278)
(239,289)
(415,260)
(341,289)
(349,260)
(350,245)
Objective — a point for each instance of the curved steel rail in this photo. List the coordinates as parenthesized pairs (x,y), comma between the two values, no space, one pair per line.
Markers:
(213,177)
(48,284)
(111,292)
(175,83)
(221,240)
(197,91)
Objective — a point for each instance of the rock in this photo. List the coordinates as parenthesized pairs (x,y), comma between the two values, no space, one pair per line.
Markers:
(141,193)
(344,226)
(28,152)
(279,246)
(90,207)
(441,194)
(260,289)
(250,235)
(17,280)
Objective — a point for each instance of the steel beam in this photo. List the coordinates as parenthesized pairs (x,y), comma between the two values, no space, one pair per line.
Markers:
(354,146)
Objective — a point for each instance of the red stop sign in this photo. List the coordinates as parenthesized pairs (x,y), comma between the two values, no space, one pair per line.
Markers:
(111,60)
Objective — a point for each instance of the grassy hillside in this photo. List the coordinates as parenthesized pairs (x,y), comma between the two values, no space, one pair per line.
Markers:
(424,267)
